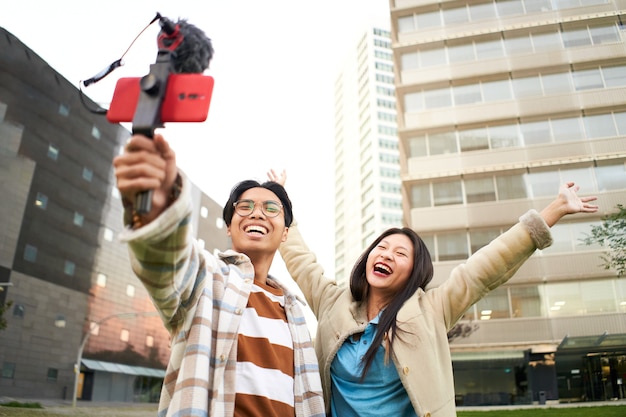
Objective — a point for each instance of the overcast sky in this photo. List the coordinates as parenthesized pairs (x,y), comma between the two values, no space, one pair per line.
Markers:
(274,66)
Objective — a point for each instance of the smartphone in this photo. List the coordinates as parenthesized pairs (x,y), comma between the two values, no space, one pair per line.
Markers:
(187,99)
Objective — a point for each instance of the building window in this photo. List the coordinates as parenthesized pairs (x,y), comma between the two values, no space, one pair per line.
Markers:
(107,234)
(101,280)
(452,246)
(219,223)
(41,201)
(480,190)
(204,212)
(526,301)
(69,268)
(19,310)
(130,290)
(87,174)
(116,193)
(79,219)
(30,253)
(447,193)
(496,306)
(480,238)
(8,370)
(201,243)
(420,195)
(611,177)
(94,328)
(64,110)
(95,132)
(600,126)
(60,321)
(53,152)
(510,187)
(53,374)
(443,143)
(125,335)
(149,341)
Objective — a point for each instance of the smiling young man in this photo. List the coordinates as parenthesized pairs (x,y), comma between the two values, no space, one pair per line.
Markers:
(240,344)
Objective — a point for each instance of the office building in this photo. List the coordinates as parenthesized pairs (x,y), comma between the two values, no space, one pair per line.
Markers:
(500,102)
(367,170)
(66,275)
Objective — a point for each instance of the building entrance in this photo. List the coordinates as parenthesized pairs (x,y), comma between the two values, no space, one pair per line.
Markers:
(592,368)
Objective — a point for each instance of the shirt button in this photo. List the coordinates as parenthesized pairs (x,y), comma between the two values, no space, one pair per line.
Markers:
(238,311)
(405,371)
(247,280)
(427,414)
(365,342)
(222,357)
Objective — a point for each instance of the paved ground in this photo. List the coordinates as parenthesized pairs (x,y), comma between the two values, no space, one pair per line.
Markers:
(60,408)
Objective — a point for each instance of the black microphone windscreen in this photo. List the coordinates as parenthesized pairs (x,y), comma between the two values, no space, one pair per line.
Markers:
(195,51)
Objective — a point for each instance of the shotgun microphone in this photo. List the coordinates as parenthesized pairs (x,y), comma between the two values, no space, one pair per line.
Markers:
(183,48)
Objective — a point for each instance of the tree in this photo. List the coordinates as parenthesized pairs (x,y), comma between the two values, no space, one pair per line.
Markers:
(612,235)
(3,308)
(461,330)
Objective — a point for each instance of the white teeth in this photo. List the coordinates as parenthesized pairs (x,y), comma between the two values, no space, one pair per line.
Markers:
(383,268)
(256,228)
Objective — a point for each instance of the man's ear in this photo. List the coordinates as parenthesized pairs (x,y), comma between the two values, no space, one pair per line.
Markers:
(285,233)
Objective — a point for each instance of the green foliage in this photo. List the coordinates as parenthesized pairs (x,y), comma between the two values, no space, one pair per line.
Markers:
(461,330)
(21,405)
(603,411)
(611,234)
(3,308)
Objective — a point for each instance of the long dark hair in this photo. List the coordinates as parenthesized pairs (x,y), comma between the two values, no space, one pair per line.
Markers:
(421,275)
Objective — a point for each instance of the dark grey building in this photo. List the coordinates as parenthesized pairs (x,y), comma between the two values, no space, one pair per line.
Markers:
(70,278)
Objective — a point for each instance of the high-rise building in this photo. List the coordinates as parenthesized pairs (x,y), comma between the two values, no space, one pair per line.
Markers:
(62,269)
(500,102)
(367,170)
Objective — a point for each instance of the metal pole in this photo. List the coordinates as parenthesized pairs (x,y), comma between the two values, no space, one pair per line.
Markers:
(79,359)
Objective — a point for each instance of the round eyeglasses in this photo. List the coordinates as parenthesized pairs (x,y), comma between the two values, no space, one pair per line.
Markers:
(269,208)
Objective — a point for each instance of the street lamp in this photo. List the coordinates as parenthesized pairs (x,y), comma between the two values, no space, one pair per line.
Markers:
(83,342)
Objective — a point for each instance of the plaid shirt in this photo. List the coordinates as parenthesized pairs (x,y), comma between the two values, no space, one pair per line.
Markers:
(201,298)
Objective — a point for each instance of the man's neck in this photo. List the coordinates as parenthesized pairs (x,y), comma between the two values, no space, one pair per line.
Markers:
(262,264)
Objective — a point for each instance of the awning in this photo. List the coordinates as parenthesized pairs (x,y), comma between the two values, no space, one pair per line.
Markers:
(487,355)
(119,368)
(600,342)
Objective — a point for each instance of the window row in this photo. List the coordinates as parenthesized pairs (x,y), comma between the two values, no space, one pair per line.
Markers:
(473,12)
(53,153)
(64,110)
(533,184)
(30,255)
(505,44)
(558,299)
(567,129)
(124,336)
(459,245)
(8,371)
(388,143)
(41,201)
(516,88)
(392,219)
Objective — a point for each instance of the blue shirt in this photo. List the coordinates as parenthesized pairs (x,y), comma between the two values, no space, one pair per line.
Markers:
(381,392)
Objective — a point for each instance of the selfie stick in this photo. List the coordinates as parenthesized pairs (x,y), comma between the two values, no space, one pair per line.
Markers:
(183,48)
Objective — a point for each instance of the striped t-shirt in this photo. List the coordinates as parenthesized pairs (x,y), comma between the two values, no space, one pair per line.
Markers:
(265,368)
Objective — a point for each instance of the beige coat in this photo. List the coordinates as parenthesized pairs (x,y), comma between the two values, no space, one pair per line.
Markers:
(422,357)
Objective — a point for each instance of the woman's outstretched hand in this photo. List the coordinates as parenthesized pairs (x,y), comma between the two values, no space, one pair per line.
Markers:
(568,202)
(281,179)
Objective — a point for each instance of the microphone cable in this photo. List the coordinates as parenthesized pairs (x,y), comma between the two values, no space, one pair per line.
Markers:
(106,71)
